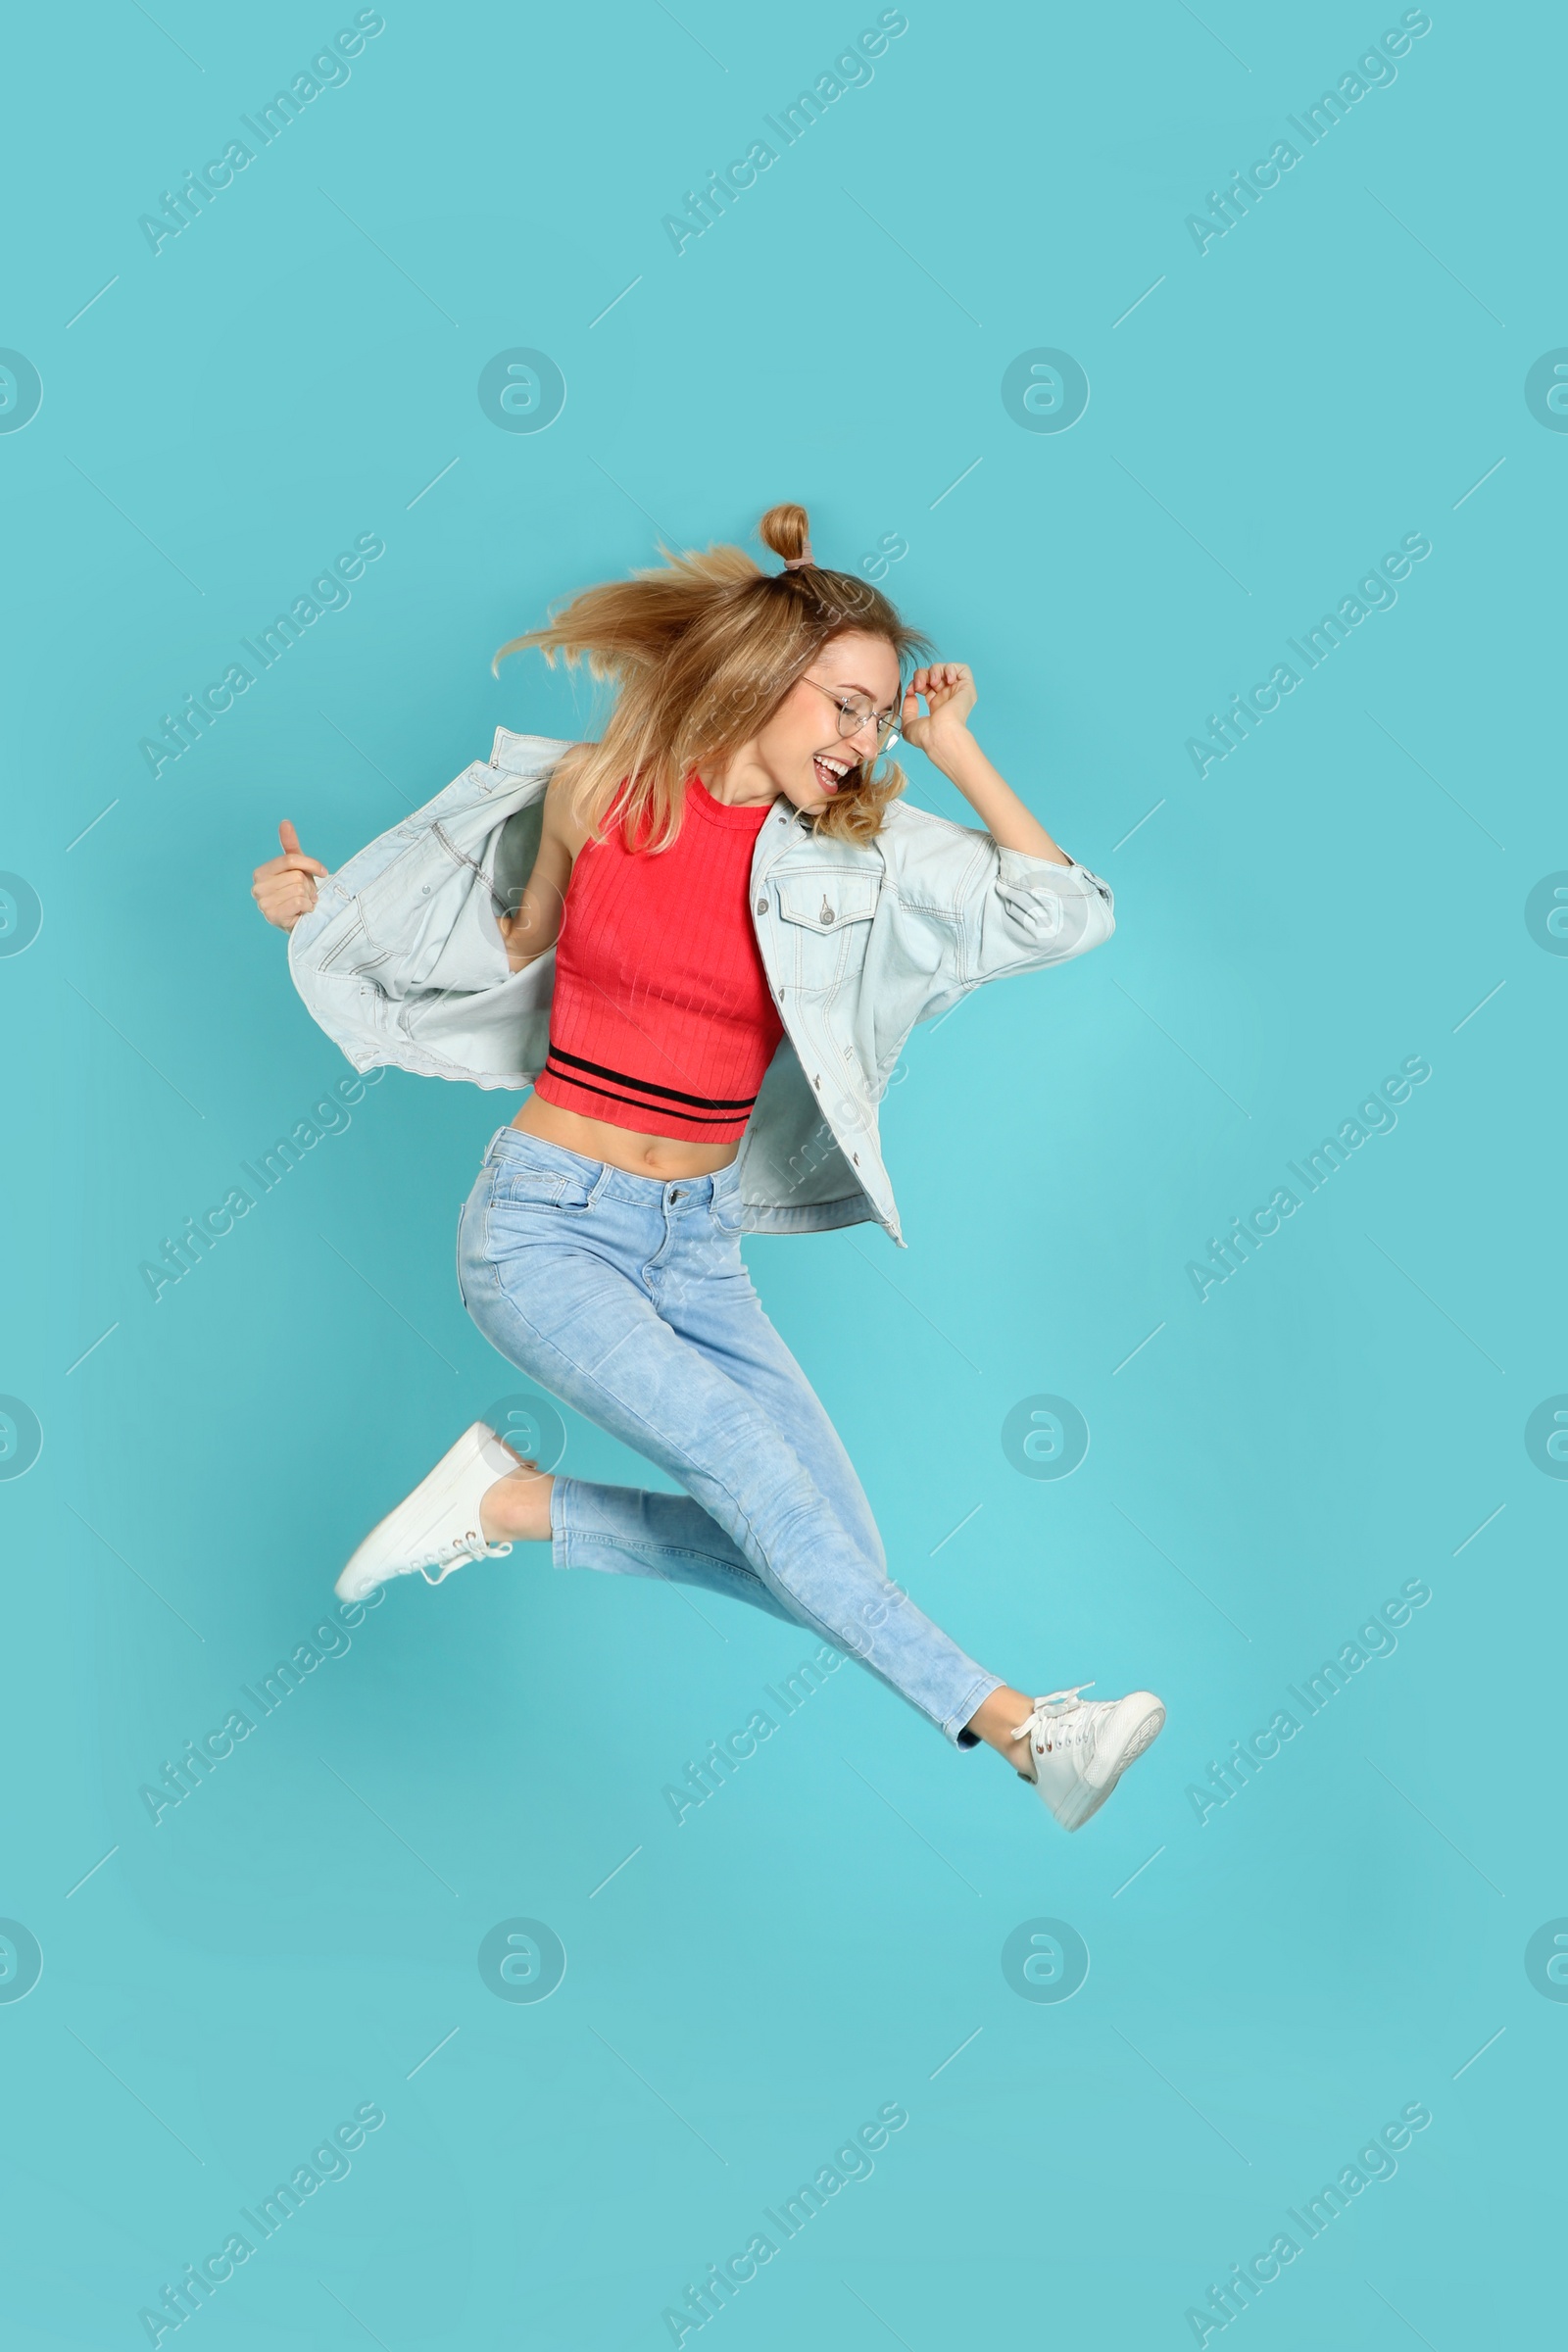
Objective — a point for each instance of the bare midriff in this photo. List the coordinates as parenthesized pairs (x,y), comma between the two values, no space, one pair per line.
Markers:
(661,1155)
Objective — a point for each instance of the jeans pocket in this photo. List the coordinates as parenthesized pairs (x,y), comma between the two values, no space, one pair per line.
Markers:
(527,1187)
(530,1173)
(462,1292)
(729,1212)
(524,1189)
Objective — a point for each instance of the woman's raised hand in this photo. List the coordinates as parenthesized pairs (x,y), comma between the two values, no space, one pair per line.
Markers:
(284,887)
(949,695)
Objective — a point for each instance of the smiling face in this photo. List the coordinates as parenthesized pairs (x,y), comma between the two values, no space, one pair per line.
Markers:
(800,750)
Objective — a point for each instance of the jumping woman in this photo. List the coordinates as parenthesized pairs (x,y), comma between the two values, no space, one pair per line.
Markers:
(703,942)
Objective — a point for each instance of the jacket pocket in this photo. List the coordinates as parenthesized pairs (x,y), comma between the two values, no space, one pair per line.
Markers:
(356,952)
(823,908)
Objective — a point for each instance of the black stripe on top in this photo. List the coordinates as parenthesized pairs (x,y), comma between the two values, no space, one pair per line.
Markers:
(687,1118)
(670,1093)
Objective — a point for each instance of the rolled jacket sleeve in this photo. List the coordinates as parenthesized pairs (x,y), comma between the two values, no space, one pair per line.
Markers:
(1023,912)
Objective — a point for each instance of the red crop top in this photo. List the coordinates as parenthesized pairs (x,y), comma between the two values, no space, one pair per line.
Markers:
(662,1019)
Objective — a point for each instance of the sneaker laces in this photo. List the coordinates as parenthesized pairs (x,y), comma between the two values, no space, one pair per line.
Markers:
(1049,1711)
(470,1546)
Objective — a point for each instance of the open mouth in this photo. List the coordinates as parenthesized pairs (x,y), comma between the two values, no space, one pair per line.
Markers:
(831,773)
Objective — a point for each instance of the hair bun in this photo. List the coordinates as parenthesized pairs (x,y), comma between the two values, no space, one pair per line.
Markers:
(787,530)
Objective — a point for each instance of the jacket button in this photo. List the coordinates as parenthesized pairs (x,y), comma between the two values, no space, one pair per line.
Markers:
(762,906)
(826,915)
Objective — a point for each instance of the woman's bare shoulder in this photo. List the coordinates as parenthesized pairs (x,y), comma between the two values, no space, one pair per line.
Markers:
(570,766)
(559,816)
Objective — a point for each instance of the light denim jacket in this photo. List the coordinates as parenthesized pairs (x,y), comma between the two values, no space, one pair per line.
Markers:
(401,961)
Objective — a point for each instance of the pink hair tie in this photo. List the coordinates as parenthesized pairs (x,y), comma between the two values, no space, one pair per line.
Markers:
(798,563)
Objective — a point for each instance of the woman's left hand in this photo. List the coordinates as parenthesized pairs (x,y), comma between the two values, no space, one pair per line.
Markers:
(949,695)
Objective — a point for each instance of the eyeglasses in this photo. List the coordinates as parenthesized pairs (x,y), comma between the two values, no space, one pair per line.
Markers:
(856,714)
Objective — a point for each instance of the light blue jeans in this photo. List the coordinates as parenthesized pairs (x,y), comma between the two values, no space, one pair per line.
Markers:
(626,1297)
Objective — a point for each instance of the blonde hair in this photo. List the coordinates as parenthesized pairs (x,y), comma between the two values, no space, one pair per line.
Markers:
(701,651)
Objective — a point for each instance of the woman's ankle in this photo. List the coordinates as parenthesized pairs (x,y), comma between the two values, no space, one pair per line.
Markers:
(516,1508)
(993,1721)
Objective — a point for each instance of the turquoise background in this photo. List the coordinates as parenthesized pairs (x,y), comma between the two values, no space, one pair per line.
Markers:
(221,1988)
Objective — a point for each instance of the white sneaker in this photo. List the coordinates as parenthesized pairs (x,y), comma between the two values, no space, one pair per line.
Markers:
(437,1526)
(1080,1747)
